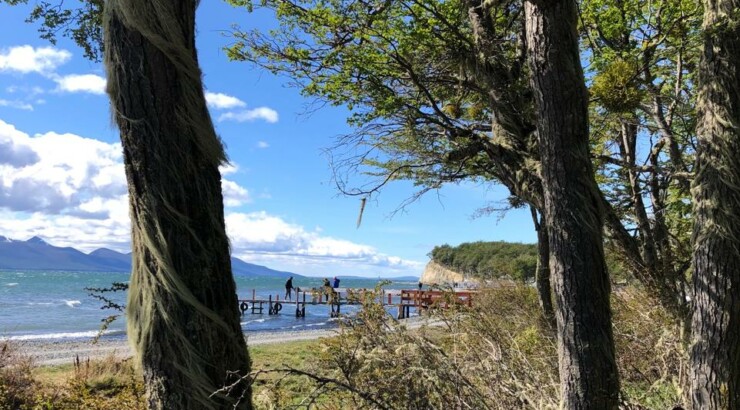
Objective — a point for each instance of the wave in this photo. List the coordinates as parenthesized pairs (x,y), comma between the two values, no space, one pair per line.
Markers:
(72,303)
(309,325)
(253,321)
(12,284)
(67,335)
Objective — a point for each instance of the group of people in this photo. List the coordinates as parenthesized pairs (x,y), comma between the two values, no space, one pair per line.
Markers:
(327,285)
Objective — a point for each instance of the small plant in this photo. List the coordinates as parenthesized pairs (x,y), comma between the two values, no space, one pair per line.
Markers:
(108,303)
(16,380)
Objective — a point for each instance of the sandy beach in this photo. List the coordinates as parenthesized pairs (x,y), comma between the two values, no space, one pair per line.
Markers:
(53,353)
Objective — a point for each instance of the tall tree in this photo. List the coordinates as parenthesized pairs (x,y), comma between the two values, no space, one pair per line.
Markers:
(572,208)
(438,93)
(715,353)
(182,308)
(642,64)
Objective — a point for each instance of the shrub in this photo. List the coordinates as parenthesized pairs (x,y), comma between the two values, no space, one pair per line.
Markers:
(500,354)
(16,381)
(95,385)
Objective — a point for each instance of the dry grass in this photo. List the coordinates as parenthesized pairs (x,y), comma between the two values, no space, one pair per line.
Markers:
(499,355)
(16,381)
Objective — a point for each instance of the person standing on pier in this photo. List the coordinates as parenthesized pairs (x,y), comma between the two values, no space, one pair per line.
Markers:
(328,289)
(336,282)
(289,288)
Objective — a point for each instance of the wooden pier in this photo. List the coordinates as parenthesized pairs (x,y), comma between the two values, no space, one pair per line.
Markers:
(403,300)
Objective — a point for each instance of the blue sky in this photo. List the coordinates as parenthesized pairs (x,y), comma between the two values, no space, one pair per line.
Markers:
(61,175)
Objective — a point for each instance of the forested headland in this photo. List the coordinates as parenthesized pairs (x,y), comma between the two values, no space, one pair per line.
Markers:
(504,260)
(489,260)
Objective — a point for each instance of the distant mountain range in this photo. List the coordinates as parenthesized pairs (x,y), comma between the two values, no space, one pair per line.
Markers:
(36,254)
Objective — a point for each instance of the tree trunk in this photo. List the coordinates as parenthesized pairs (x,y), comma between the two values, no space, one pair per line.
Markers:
(715,352)
(542,276)
(573,209)
(182,309)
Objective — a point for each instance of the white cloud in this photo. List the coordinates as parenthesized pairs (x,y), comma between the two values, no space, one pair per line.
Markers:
(72,191)
(15,149)
(16,104)
(56,173)
(221,101)
(234,194)
(30,92)
(27,59)
(262,144)
(258,236)
(230,168)
(259,113)
(86,83)
(83,231)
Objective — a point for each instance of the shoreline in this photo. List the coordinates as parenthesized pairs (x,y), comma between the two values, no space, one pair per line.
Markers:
(60,352)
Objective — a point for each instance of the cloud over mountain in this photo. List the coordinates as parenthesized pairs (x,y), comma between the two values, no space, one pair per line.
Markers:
(72,191)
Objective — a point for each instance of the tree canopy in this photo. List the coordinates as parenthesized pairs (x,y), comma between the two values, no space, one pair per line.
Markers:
(438,93)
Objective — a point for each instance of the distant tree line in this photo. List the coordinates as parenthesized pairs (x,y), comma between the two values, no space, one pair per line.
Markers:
(506,260)
(489,260)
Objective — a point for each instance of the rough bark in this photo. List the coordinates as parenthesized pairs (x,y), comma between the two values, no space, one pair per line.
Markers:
(542,276)
(573,209)
(715,352)
(182,311)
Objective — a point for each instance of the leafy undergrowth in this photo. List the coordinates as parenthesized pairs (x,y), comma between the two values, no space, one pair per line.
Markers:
(498,355)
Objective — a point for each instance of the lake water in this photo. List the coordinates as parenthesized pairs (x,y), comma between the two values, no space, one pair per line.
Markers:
(53,305)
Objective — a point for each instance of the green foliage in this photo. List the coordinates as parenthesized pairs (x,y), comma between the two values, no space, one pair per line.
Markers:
(291,389)
(489,260)
(81,22)
(410,73)
(642,59)
(616,88)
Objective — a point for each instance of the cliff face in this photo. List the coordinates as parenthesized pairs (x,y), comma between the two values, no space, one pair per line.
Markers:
(436,273)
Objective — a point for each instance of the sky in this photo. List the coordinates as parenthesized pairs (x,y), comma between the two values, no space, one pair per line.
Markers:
(62,178)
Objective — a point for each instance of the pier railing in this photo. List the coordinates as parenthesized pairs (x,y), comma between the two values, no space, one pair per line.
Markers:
(404,300)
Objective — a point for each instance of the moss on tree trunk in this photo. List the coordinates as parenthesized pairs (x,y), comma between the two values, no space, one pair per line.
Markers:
(572,208)
(715,352)
(182,309)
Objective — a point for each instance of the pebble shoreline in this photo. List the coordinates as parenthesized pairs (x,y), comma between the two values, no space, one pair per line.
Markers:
(60,352)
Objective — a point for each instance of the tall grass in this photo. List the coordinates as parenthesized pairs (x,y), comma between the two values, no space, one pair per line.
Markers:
(499,354)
